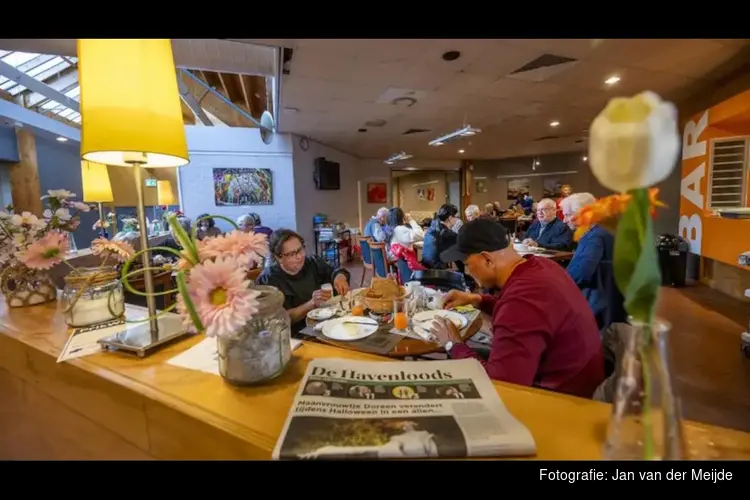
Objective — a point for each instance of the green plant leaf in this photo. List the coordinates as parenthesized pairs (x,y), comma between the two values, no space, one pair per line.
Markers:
(636,264)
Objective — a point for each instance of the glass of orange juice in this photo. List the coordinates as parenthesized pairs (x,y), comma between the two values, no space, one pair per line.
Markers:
(358,306)
(400,316)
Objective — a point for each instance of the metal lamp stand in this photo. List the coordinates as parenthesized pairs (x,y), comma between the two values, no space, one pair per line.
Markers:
(143,338)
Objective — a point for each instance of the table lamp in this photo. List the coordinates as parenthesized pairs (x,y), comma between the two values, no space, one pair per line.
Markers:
(96,187)
(132,117)
(164,197)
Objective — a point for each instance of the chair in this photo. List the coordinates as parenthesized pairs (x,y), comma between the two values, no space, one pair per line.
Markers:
(364,244)
(442,279)
(404,273)
(253,274)
(162,282)
(379,258)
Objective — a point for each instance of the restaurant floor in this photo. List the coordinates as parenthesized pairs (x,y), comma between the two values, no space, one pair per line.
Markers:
(711,375)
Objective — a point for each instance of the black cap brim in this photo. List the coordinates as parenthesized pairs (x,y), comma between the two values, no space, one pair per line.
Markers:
(452,254)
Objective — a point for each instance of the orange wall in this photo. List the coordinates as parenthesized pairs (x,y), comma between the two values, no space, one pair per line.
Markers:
(712,237)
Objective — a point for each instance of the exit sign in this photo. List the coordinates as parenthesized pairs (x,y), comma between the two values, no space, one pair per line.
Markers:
(151,183)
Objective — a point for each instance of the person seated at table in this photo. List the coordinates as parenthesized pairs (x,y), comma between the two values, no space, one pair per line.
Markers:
(377,228)
(472,212)
(246,223)
(544,333)
(407,252)
(405,231)
(565,191)
(448,215)
(591,265)
(300,276)
(547,231)
(437,239)
(258,226)
(207,227)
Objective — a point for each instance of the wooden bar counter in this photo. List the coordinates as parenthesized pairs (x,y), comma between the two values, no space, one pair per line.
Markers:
(114,406)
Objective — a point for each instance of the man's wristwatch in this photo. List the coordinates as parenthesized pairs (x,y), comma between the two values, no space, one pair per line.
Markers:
(449,345)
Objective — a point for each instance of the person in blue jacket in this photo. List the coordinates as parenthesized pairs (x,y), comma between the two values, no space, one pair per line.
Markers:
(591,266)
(547,231)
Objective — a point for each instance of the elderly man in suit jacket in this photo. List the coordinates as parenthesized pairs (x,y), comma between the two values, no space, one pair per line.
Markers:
(547,231)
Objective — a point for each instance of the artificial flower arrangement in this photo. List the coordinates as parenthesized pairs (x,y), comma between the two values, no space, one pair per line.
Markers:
(30,246)
(633,145)
(215,295)
(105,223)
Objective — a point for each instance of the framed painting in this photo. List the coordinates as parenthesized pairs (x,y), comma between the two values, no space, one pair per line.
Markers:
(377,192)
(243,186)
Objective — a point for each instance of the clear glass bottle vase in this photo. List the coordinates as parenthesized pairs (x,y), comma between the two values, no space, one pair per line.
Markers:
(645,422)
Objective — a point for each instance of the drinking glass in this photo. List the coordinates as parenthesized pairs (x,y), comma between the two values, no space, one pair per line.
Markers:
(400,315)
(358,306)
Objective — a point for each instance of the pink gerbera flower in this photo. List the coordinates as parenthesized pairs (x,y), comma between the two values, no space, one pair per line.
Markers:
(219,291)
(46,252)
(119,250)
(236,243)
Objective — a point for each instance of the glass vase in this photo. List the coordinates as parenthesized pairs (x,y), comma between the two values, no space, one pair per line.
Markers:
(23,287)
(261,350)
(93,295)
(645,422)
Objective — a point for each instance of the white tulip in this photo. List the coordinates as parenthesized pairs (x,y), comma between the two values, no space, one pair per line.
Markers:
(634,142)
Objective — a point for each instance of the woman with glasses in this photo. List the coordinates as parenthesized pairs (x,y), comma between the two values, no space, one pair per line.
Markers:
(299,276)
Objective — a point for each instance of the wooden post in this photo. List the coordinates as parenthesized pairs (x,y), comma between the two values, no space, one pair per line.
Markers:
(466,178)
(25,190)
(359,206)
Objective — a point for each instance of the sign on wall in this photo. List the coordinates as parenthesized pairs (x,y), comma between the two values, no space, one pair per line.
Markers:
(243,186)
(709,234)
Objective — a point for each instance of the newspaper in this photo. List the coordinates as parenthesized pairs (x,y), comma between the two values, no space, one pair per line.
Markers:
(402,409)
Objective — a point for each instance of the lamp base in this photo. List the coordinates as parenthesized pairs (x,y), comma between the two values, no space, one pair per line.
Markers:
(139,340)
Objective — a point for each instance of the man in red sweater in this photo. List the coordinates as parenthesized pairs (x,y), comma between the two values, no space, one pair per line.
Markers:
(544,333)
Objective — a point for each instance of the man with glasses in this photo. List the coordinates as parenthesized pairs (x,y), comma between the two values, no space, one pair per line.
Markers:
(300,277)
(547,231)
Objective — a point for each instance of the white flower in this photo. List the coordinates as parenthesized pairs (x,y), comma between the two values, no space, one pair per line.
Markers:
(634,142)
(26,218)
(80,206)
(60,194)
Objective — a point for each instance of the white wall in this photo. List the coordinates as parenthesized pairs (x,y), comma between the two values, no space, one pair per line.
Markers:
(340,205)
(232,147)
(296,199)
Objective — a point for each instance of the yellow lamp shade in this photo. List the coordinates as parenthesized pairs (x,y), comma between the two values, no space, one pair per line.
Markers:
(130,104)
(95,180)
(164,193)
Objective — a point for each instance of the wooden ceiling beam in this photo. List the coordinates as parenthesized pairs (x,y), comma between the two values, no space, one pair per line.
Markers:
(245,95)
(214,105)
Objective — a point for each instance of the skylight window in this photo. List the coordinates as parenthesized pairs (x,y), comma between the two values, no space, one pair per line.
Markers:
(57,72)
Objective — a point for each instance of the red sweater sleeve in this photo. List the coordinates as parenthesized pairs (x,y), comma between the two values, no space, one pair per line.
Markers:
(519,339)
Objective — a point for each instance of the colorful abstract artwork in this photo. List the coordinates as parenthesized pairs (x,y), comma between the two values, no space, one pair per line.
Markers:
(243,186)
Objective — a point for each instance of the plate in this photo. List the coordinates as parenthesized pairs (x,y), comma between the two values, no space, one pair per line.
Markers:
(520,247)
(428,316)
(322,313)
(349,328)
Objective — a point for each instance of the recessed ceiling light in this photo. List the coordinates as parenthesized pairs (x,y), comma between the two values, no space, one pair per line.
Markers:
(461,151)
(554,123)
(585,158)
(612,80)
(537,163)
(62,139)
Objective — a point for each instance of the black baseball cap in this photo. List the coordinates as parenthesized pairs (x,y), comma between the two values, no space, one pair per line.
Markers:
(477,236)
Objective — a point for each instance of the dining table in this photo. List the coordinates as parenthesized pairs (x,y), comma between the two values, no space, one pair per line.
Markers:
(387,343)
